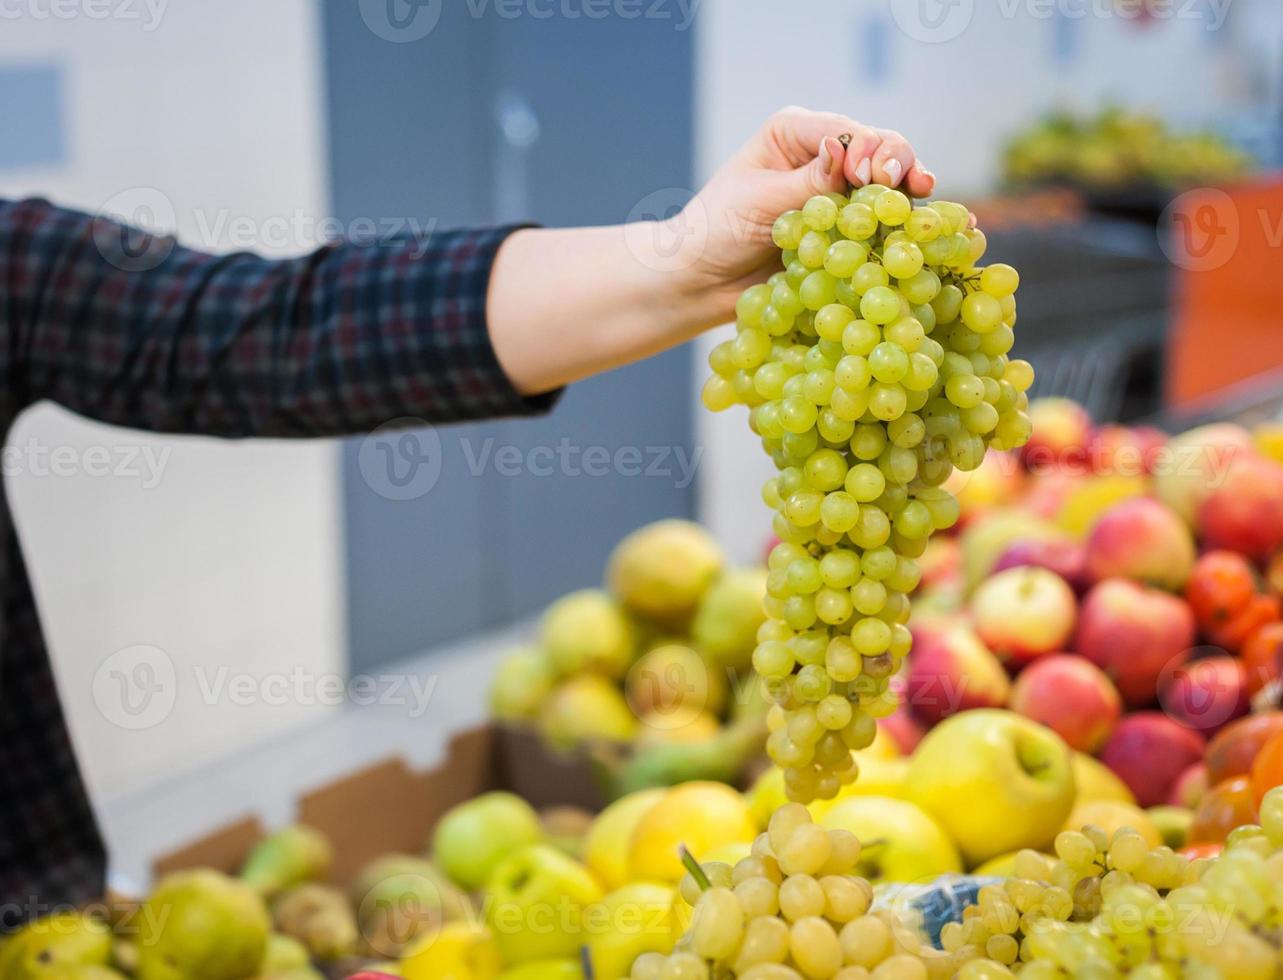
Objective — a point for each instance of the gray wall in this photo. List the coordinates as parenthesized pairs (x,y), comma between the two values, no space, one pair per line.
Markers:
(414,132)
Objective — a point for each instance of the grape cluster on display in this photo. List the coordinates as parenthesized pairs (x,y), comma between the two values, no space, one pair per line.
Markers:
(874,364)
(1103,907)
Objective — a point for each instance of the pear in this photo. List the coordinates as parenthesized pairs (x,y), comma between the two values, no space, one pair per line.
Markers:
(284,954)
(202,925)
(662,571)
(720,759)
(320,918)
(288,857)
(62,940)
(524,678)
(587,632)
(398,898)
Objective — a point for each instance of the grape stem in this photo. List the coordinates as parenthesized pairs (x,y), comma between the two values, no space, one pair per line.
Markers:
(696,872)
(585,961)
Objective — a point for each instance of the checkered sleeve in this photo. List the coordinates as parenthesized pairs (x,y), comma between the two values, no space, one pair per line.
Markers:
(137,330)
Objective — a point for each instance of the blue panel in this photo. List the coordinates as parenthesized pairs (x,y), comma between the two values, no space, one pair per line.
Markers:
(31,117)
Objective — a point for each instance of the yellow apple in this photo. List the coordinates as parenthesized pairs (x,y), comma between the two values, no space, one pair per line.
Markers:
(1096,781)
(702,816)
(628,922)
(537,902)
(609,838)
(460,951)
(900,841)
(1112,815)
(545,970)
(995,781)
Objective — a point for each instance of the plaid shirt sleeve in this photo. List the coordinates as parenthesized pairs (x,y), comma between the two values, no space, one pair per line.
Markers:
(138,331)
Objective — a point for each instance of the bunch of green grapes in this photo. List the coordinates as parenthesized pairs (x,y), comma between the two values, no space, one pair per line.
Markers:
(792,909)
(874,364)
(1104,907)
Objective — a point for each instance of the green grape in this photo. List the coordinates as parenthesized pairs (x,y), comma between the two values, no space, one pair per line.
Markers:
(831,321)
(860,337)
(892,208)
(869,276)
(820,213)
(880,305)
(819,290)
(857,222)
(888,362)
(813,248)
(981,312)
(903,260)
(907,332)
(788,230)
(844,258)
(999,280)
(853,373)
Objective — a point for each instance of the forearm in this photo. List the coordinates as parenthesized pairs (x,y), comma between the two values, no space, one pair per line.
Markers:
(566,304)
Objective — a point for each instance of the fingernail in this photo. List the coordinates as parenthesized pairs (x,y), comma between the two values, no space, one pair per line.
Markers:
(826,158)
(864,172)
(894,170)
(930,175)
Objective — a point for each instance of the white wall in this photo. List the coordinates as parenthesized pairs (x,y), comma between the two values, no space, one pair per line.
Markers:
(233,559)
(957,100)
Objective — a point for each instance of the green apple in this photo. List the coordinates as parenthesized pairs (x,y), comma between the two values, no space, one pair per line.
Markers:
(995,781)
(900,841)
(1173,822)
(64,939)
(588,631)
(535,905)
(474,837)
(202,924)
(633,920)
(524,678)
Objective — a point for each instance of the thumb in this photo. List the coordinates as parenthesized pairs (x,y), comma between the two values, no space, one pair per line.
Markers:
(822,175)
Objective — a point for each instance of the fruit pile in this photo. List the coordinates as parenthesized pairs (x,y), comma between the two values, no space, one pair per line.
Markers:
(660,659)
(1118,148)
(1106,905)
(1123,589)
(874,364)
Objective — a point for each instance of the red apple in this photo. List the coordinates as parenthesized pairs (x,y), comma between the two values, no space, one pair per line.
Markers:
(1235,747)
(951,671)
(1245,512)
(1193,464)
(1205,695)
(1119,450)
(1134,634)
(1061,432)
(1066,558)
(1023,613)
(1141,539)
(1149,752)
(1072,697)
(1189,787)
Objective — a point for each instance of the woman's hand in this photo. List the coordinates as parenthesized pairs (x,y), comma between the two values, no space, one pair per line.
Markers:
(795,156)
(564,304)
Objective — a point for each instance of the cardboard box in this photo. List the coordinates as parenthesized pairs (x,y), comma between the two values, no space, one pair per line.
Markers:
(389,807)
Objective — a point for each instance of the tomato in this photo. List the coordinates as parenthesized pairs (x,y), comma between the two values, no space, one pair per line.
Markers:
(1219,588)
(1236,746)
(1260,609)
(1267,770)
(1263,656)
(1225,806)
(1196,851)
